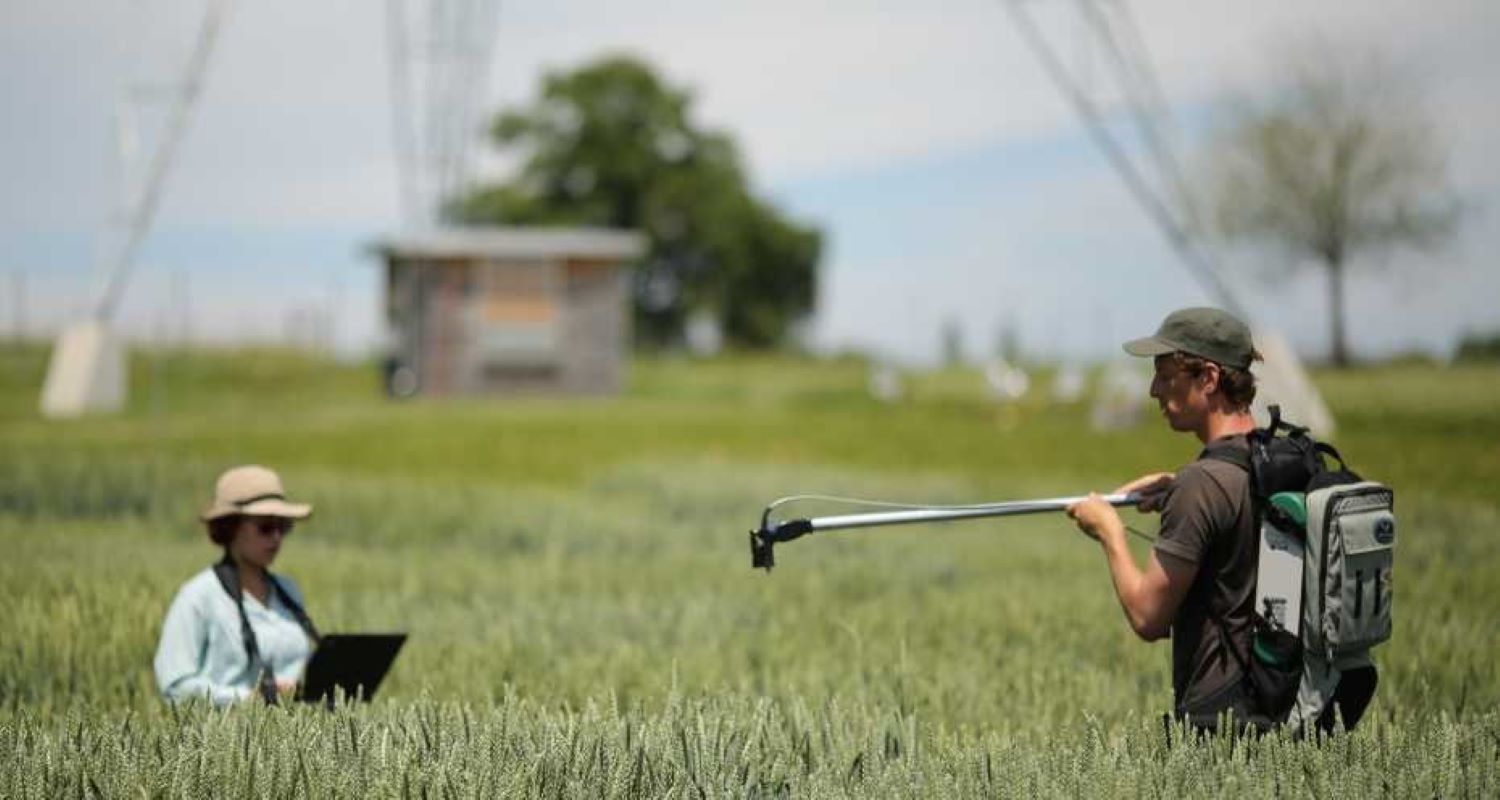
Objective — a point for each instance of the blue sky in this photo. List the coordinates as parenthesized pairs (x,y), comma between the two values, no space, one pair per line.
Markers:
(952,182)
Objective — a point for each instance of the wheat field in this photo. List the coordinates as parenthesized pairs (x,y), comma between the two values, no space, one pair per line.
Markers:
(575,579)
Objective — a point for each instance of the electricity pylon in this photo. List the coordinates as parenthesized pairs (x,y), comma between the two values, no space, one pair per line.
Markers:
(440,54)
(87,371)
(1112,86)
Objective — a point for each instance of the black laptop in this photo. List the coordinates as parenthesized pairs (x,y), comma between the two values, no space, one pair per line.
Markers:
(349,665)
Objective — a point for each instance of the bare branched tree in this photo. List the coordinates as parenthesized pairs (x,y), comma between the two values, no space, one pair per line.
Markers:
(1337,161)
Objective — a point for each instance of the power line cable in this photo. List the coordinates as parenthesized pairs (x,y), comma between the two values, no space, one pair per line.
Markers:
(1197,261)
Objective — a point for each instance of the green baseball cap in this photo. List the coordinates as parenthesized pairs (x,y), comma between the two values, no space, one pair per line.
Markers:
(1208,333)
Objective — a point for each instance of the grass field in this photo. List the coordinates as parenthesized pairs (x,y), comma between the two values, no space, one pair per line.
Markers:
(575,577)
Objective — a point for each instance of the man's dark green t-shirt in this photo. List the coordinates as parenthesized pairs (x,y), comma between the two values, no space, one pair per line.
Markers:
(1207,520)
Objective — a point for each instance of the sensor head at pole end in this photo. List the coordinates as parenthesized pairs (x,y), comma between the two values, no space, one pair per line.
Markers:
(761,554)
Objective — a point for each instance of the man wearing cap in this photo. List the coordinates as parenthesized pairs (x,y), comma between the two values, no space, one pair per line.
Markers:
(234,630)
(1198,585)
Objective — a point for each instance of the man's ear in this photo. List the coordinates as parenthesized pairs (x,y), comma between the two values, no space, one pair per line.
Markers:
(1210,377)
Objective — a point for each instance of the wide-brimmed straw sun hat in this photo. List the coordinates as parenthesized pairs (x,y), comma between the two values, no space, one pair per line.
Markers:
(253,490)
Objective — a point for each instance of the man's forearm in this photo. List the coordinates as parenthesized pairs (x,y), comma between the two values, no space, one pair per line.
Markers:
(1128,581)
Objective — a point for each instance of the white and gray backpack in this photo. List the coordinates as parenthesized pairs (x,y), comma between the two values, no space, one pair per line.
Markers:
(1346,577)
(1323,582)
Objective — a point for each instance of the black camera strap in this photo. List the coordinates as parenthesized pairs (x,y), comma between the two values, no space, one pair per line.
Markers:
(229,578)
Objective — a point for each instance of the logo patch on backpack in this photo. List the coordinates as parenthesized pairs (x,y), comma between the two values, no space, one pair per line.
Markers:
(1385,531)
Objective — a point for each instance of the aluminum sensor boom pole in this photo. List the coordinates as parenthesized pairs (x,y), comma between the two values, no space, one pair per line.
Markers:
(762,541)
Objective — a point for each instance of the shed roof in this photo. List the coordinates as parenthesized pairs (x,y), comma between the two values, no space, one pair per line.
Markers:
(514,242)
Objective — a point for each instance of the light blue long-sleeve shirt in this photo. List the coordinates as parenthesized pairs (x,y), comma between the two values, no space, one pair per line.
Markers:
(202,654)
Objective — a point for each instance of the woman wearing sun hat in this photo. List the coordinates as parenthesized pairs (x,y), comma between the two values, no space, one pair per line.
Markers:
(235,630)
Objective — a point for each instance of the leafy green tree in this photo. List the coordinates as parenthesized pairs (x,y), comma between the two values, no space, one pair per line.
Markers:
(610,144)
(1338,161)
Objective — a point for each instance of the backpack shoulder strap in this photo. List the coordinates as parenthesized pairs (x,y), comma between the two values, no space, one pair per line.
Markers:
(229,578)
(1229,455)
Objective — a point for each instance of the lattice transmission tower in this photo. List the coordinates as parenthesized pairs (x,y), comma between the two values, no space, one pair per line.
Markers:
(86,372)
(1095,55)
(440,53)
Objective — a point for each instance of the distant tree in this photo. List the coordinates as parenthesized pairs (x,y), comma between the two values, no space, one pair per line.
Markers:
(1336,161)
(952,343)
(609,144)
(1008,342)
(1479,347)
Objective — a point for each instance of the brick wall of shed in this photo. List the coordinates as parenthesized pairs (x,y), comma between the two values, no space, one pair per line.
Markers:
(596,326)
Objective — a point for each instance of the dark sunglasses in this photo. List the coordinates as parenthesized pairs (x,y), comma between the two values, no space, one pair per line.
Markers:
(271,525)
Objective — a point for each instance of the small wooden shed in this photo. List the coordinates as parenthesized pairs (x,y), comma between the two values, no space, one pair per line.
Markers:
(477,310)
